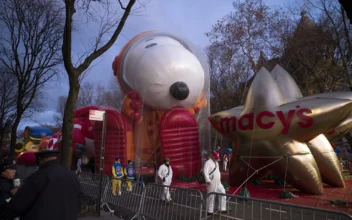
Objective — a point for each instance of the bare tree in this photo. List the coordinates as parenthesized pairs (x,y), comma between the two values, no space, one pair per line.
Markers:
(61,102)
(229,75)
(252,27)
(332,15)
(237,44)
(86,96)
(93,94)
(7,103)
(113,96)
(310,56)
(108,26)
(29,47)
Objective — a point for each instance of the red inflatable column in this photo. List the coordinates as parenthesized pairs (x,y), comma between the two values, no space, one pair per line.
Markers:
(180,141)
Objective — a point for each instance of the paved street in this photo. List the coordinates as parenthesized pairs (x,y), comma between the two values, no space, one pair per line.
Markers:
(240,210)
(104,215)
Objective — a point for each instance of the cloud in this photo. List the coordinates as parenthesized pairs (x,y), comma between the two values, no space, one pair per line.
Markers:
(45,117)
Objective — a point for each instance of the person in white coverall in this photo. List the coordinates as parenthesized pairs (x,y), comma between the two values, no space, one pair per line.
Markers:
(212,178)
(165,175)
(79,169)
(225,161)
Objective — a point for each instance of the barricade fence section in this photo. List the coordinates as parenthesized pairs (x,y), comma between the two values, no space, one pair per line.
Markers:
(256,209)
(151,201)
(22,172)
(184,203)
(124,193)
(90,190)
(90,184)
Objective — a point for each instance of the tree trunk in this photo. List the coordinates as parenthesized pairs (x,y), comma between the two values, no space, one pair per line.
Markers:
(66,144)
(14,134)
(339,47)
(2,134)
(348,39)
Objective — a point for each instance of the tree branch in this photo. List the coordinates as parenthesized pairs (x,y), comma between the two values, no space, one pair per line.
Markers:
(121,5)
(95,54)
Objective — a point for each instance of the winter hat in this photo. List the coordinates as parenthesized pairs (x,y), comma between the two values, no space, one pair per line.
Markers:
(204,153)
(117,158)
(216,155)
(166,159)
(7,163)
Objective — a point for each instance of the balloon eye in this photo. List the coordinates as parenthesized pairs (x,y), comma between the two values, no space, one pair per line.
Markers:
(150,45)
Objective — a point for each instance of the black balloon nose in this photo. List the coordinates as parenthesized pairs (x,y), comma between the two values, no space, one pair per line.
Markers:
(179,90)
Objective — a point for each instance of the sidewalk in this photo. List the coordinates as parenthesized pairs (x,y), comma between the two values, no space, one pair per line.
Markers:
(104,215)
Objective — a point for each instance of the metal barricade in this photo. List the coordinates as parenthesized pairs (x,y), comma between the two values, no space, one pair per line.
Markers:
(185,203)
(149,201)
(130,196)
(22,172)
(90,190)
(256,209)
(89,184)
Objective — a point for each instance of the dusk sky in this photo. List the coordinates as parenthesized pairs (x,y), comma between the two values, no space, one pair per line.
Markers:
(190,19)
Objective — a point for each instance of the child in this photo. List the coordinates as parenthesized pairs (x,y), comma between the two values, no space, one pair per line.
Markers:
(117,173)
(129,172)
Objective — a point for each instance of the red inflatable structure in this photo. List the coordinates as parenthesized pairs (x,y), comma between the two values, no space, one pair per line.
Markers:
(118,136)
(178,131)
(180,140)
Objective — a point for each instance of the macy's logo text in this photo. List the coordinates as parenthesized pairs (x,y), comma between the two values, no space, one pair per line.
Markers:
(246,121)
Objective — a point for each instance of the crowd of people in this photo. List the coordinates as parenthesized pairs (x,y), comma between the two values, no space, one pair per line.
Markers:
(52,192)
(119,172)
(211,171)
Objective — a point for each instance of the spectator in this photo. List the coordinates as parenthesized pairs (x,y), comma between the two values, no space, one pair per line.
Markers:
(79,164)
(117,173)
(129,172)
(50,193)
(7,189)
(225,161)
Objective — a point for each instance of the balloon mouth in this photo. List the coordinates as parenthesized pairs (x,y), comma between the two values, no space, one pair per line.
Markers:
(213,123)
(179,91)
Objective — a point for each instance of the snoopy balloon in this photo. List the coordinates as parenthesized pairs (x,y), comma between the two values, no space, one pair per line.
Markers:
(165,79)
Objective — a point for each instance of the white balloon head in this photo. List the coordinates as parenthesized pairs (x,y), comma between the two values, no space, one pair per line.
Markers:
(165,70)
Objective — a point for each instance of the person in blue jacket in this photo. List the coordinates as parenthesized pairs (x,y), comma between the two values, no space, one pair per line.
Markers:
(130,174)
(117,173)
